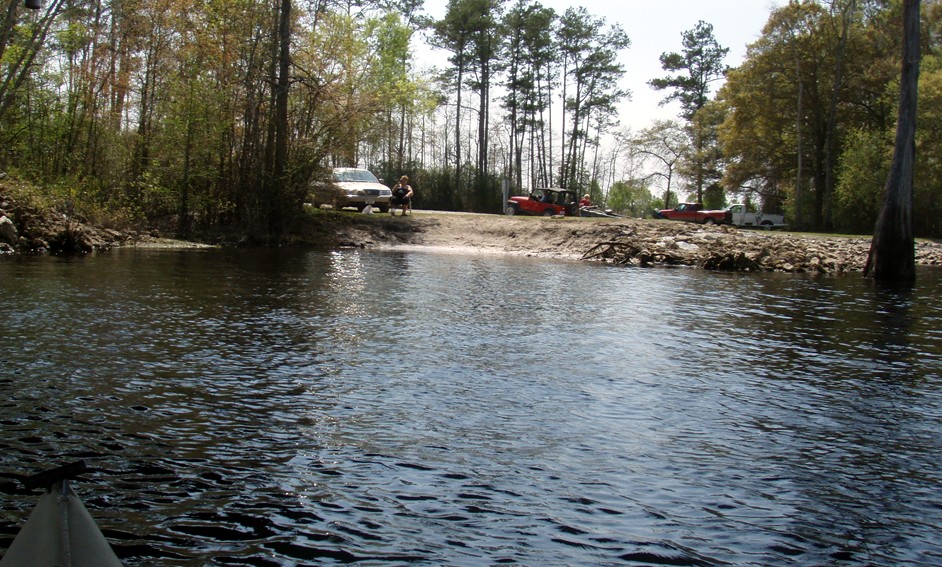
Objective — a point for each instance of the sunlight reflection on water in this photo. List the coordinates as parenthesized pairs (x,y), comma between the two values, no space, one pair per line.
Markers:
(289,407)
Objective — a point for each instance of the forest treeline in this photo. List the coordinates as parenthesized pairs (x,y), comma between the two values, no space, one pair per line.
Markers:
(200,114)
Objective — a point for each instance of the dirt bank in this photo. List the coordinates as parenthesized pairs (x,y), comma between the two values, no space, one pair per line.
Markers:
(623,241)
(29,229)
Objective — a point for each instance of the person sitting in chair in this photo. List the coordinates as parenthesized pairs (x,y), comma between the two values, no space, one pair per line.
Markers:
(401,197)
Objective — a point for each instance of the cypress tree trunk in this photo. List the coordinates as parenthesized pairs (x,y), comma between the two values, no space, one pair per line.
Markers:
(892,254)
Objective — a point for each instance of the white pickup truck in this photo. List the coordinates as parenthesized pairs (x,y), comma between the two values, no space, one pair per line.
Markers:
(739,216)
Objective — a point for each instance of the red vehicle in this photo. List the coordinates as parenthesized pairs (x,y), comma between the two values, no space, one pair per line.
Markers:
(693,212)
(547,202)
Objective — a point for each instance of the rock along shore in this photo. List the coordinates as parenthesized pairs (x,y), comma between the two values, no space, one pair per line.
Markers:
(633,242)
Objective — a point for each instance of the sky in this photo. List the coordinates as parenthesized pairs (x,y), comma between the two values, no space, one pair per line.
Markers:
(654,27)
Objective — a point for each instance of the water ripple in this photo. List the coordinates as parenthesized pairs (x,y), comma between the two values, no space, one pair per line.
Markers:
(293,408)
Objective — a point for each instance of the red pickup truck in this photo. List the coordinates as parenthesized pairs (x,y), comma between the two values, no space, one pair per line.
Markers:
(693,212)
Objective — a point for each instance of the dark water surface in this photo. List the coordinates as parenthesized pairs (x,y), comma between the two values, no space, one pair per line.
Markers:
(306,408)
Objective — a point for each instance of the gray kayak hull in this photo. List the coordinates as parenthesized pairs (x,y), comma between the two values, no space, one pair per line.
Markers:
(60,532)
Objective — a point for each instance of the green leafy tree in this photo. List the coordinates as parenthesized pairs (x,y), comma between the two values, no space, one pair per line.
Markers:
(527,54)
(862,173)
(631,198)
(703,160)
(817,73)
(695,69)
(486,45)
(590,89)
(662,146)
(765,124)
(927,204)
(454,35)
(390,39)
(22,36)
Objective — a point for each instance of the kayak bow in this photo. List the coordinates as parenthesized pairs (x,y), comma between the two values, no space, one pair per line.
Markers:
(59,531)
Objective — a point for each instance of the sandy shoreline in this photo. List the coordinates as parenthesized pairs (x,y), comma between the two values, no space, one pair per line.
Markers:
(639,242)
(624,241)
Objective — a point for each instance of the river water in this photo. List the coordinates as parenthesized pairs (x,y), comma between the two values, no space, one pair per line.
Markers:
(407,407)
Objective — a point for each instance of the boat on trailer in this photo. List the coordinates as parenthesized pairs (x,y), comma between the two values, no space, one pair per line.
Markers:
(59,532)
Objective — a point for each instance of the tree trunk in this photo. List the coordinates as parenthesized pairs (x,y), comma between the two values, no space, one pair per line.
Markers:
(798,116)
(892,254)
(402,137)
(847,16)
(458,125)
(482,162)
(279,180)
(183,222)
(20,67)
(698,142)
